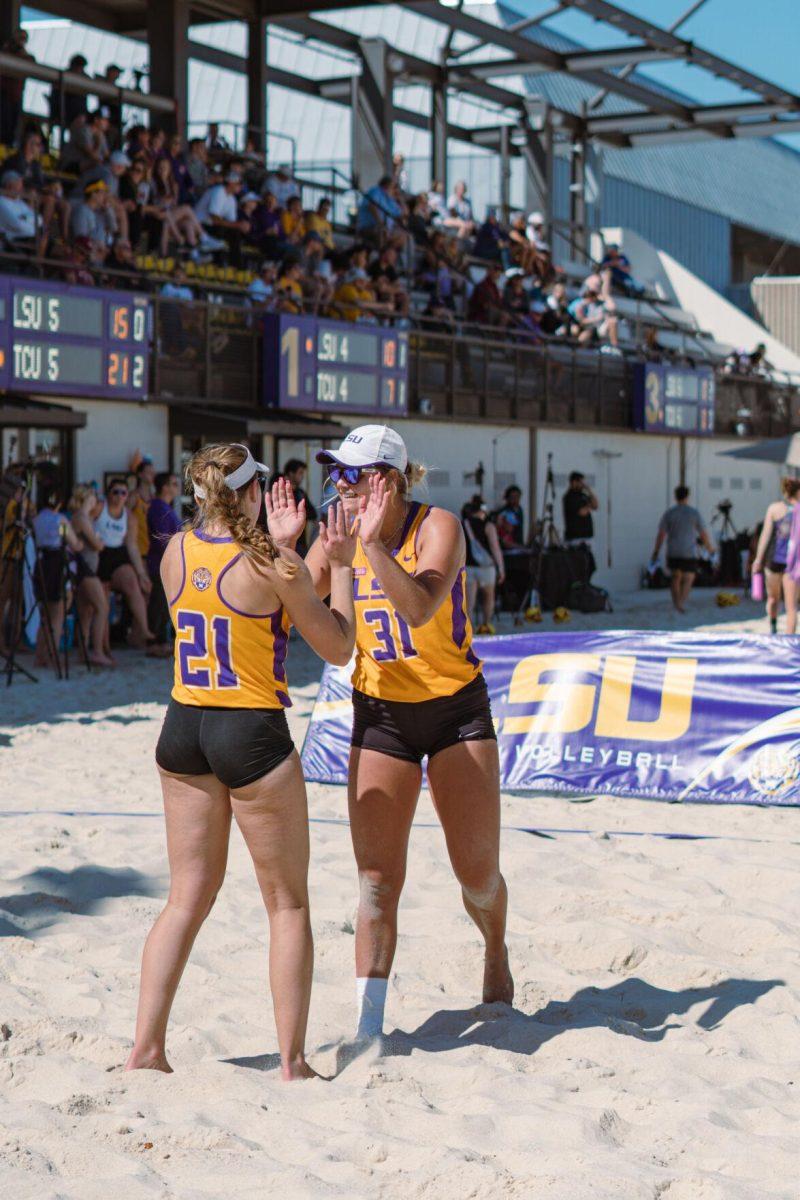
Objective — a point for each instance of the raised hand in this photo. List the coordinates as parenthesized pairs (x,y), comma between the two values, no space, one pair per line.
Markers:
(338,542)
(372,510)
(286,519)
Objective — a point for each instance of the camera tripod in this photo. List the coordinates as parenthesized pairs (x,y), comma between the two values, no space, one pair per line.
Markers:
(547,537)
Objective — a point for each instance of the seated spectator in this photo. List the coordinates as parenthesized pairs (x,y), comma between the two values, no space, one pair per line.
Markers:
(418,221)
(48,199)
(387,282)
(89,147)
(197,169)
(594,318)
(437,203)
(110,173)
(157,146)
(459,216)
(485,305)
(92,218)
(261,290)
(517,304)
(319,222)
(112,75)
(217,212)
(523,253)
(12,90)
(162,524)
(491,241)
(265,230)
(120,564)
(26,162)
(315,274)
(289,290)
(215,144)
(542,258)
(281,184)
(18,223)
(134,196)
(180,170)
(556,318)
(651,347)
(379,213)
(76,259)
(399,172)
(74,102)
(354,298)
(121,258)
(177,288)
(293,228)
(619,269)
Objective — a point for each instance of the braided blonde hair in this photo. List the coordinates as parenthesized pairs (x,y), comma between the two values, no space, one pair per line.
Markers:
(222,505)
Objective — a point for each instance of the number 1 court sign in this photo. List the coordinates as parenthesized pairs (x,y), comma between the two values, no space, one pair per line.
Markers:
(673,717)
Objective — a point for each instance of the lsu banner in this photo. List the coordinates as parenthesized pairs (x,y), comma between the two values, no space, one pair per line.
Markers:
(702,717)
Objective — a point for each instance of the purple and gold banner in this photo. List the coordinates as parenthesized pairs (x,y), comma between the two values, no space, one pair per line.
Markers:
(700,717)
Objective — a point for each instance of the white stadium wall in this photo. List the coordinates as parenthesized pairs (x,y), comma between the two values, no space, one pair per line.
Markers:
(712,476)
(114,432)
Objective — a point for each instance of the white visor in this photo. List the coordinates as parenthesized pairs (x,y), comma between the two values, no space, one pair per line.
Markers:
(238,478)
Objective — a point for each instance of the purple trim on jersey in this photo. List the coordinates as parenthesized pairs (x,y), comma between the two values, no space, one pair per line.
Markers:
(459,615)
(412,512)
(238,611)
(206,537)
(472,658)
(183,577)
(280,643)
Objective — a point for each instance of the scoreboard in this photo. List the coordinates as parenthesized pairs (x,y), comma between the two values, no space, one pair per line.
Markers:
(326,366)
(673,399)
(64,340)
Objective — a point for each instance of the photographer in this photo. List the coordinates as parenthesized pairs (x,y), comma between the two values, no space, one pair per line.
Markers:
(579,502)
(682,528)
(53,535)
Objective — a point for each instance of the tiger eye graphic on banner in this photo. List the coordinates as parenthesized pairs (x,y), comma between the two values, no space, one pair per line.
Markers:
(662,716)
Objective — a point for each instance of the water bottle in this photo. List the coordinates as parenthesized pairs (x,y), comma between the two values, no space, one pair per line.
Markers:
(757,585)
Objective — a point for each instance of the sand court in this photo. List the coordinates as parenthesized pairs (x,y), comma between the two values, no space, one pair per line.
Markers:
(653,1050)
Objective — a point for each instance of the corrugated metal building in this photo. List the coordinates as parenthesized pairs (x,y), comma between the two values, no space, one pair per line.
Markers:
(696,201)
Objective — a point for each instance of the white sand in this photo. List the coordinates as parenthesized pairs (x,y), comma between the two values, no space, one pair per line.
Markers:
(654,1050)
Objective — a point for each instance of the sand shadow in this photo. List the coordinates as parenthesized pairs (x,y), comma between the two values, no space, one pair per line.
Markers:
(631,1008)
(256,1062)
(48,893)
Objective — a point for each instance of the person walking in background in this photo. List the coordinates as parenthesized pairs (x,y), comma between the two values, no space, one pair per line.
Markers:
(91,596)
(772,553)
(578,503)
(485,567)
(162,523)
(682,528)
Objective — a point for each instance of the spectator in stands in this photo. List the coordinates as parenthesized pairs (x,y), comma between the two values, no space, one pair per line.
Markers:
(578,503)
(459,216)
(89,146)
(261,289)
(27,162)
(134,196)
(77,258)
(619,269)
(12,90)
(742,362)
(522,251)
(418,221)
(491,241)
(180,170)
(18,224)
(110,173)
(354,298)
(316,269)
(651,347)
(266,231)
(157,146)
(197,168)
(379,213)
(399,172)
(594,318)
(536,234)
(178,221)
(293,228)
(282,185)
(319,222)
(92,218)
(290,288)
(217,212)
(112,75)
(556,319)
(517,304)
(215,143)
(162,524)
(387,282)
(177,288)
(74,102)
(484,564)
(437,204)
(683,529)
(485,305)
(121,258)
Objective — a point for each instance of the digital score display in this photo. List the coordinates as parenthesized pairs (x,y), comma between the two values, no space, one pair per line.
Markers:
(59,339)
(326,366)
(674,399)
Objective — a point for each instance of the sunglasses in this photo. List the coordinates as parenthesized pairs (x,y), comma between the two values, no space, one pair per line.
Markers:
(350,475)
(118,492)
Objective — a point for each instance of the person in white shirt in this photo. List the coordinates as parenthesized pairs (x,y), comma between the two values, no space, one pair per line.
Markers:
(17,218)
(282,185)
(217,211)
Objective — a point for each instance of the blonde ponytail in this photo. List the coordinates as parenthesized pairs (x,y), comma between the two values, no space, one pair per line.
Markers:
(221,505)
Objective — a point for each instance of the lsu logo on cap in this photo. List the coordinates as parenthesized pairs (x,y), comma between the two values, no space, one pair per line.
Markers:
(354,437)
(201,578)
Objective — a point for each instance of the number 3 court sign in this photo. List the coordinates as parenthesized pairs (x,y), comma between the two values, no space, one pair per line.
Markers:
(689,717)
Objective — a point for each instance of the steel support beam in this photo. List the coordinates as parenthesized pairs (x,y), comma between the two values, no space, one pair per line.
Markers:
(577,198)
(622,56)
(539,157)
(168,42)
(257,81)
(438,125)
(372,114)
(9,19)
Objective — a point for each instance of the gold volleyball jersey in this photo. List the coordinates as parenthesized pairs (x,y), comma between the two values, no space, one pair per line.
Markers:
(224,658)
(139,509)
(395,662)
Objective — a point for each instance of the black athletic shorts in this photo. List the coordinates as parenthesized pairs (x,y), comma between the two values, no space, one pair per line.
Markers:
(238,745)
(689,565)
(110,558)
(48,576)
(776,567)
(412,730)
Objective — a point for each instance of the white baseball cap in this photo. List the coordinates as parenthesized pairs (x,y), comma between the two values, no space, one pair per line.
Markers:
(369,446)
(535,218)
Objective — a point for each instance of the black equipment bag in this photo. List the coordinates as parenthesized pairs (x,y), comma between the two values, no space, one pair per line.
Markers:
(555,577)
(586,598)
(730,562)
(581,561)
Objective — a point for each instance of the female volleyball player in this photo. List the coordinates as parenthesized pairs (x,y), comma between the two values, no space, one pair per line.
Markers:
(225,746)
(773,547)
(417,690)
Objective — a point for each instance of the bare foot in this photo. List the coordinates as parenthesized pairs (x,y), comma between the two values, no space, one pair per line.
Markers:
(148,1062)
(99,660)
(299,1069)
(498,982)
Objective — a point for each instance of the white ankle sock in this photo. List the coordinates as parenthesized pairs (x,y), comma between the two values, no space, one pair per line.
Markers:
(370,1003)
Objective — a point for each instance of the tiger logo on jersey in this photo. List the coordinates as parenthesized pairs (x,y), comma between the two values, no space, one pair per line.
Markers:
(201,578)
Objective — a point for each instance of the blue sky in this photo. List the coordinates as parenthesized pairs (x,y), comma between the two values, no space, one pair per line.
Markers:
(763,37)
